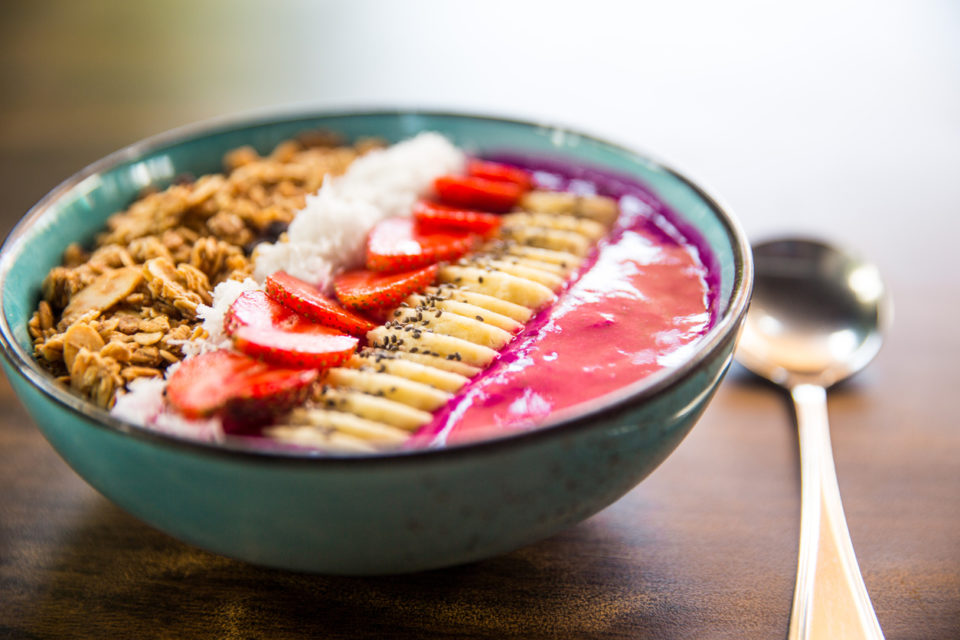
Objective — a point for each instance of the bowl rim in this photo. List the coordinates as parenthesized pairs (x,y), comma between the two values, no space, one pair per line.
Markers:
(572,419)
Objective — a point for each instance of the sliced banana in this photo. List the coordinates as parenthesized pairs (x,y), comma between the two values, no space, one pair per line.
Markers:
(513,311)
(548,202)
(437,378)
(434,304)
(393,337)
(591,229)
(389,386)
(349,424)
(474,329)
(427,359)
(565,260)
(526,293)
(545,277)
(600,208)
(532,264)
(374,408)
(325,439)
(547,238)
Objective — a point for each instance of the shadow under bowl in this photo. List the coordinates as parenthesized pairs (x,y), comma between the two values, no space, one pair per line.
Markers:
(379,514)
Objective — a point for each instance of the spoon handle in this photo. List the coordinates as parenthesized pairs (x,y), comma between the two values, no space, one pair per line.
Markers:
(830,600)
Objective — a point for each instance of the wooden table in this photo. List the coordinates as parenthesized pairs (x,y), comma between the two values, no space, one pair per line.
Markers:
(834,120)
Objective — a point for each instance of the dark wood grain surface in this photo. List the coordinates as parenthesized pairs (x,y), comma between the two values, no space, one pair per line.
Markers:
(861,146)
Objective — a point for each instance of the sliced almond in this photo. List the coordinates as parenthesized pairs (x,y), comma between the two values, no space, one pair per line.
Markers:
(163,280)
(80,336)
(107,290)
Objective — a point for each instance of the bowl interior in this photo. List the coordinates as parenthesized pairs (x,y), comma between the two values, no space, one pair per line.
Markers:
(77,209)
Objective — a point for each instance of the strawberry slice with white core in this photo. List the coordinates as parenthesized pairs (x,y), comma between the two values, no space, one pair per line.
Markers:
(308,301)
(231,384)
(371,291)
(396,244)
(267,330)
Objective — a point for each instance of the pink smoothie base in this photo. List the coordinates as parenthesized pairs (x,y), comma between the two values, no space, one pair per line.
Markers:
(637,305)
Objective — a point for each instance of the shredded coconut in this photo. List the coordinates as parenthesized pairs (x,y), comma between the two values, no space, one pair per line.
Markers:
(143,404)
(328,235)
(224,295)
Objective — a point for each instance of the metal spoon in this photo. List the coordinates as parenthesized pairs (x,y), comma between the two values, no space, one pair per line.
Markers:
(817,317)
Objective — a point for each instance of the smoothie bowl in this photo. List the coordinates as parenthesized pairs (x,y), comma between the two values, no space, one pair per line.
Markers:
(367,343)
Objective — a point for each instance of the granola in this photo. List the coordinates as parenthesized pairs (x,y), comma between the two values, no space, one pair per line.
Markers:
(123,309)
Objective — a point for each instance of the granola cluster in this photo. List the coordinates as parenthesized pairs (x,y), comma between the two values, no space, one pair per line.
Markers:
(124,309)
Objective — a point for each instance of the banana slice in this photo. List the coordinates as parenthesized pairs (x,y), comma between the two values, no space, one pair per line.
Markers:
(392,336)
(566,261)
(452,324)
(347,423)
(527,293)
(374,408)
(540,265)
(548,202)
(585,227)
(547,238)
(513,311)
(600,208)
(550,280)
(437,378)
(434,303)
(325,439)
(389,386)
(427,359)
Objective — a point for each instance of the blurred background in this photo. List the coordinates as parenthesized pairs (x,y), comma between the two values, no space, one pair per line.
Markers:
(832,115)
(832,118)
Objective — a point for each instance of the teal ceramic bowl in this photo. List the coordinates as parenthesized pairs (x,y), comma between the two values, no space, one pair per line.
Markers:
(378,514)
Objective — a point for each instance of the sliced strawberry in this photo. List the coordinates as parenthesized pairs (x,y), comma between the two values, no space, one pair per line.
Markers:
(395,244)
(233,385)
(434,217)
(265,329)
(501,172)
(370,291)
(477,193)
(309,302)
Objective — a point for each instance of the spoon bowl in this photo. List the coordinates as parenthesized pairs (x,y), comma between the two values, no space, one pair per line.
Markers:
(817,316)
